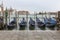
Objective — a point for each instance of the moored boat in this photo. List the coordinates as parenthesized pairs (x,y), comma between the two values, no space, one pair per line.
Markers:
(1,24)
(40,24)
(50,23)
(31,24)
(22,24)
(12,24)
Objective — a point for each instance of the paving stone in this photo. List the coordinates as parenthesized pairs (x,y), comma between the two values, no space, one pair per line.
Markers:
(30,35)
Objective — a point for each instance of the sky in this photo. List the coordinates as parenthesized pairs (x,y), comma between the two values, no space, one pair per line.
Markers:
(33,5)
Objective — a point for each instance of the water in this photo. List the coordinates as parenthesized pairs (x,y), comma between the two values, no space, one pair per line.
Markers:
(20,17)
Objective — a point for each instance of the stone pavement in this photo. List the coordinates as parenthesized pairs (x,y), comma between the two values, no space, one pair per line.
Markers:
(30,35)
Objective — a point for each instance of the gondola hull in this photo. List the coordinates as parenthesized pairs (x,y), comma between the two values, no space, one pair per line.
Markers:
(50,23)
(50,26)
(1,23)
(1,26)
(11,27)
(22,24)
(31,24)
(41,26)
(22,27)
(31,27)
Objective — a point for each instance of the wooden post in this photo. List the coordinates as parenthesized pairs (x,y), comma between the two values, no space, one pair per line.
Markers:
(27,21)
(6,14)
(16,16)
(42,15)
(35,14)
(58,19)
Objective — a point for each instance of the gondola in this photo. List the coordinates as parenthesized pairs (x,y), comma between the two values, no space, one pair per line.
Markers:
(12,24)
(31,24)
(1,24)
(22,24)
(40,24)
(50,23)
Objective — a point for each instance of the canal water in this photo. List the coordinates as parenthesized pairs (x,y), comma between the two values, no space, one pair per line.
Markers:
(27,18)
(20,17)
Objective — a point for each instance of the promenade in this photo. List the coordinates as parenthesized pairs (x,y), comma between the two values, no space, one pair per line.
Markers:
(30,35)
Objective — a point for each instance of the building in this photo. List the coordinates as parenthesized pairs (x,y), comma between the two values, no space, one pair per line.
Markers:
(59,14)
(23,12)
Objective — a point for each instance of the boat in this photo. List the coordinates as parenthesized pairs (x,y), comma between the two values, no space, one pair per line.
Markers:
(1,24)
(40,24)
(12,24)
(50,23)
(31,24)
(22,24)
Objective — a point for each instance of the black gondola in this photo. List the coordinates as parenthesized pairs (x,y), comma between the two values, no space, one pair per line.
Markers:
(12,24)
(31,24)
(50,23)
(1,23)
(23,24)
(40,24)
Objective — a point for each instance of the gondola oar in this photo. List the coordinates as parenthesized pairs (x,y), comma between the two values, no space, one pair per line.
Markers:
(23,24)
(31,24)
(12,24)
(40,24)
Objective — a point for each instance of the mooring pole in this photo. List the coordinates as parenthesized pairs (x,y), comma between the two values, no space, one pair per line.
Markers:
(27,21)
(6,14)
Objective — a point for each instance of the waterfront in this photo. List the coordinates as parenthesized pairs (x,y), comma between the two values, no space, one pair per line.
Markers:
(27,18)
(20,17)
(17,19)
(30,35)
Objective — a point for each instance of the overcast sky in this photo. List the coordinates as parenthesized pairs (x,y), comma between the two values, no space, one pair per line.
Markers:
(33,5)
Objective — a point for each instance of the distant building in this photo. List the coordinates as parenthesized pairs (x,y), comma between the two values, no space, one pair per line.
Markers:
(54,13)
(49,13)
(10,11)
(59,14)
(1,10)
(23,12)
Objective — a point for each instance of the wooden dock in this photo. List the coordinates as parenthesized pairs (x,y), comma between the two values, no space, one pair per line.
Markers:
(30,35)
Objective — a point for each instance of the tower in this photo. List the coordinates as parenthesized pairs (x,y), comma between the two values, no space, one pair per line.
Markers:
(2,14)
(2,9)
